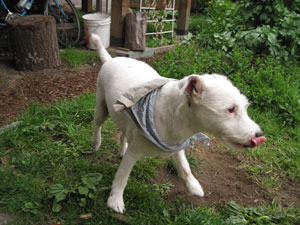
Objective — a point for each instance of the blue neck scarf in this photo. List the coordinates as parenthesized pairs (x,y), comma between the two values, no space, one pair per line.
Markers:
(142,113)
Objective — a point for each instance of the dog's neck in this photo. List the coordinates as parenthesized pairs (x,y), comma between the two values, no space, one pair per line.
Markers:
(173,115)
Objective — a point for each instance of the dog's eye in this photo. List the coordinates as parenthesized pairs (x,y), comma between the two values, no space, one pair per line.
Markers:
(231,109)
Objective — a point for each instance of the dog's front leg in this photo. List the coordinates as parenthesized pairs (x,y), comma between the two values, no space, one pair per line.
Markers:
(124,144)
(115,200)
(184,171)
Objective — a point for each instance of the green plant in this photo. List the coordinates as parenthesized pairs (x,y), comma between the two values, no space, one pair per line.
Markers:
(260,215)
(200,6)
(163,188)
(85,190)
(153,42)
(276,24)
(59,193)
(31,207)
(268,27)
(88,187)
(223,17)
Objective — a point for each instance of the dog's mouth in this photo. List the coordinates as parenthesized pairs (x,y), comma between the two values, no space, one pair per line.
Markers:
(253,143)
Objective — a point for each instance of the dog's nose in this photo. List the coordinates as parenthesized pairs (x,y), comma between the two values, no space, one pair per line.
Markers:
(258,134)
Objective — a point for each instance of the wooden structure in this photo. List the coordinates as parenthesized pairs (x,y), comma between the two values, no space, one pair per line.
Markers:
(184,9)
(35,43)
(87,5)
(120,8)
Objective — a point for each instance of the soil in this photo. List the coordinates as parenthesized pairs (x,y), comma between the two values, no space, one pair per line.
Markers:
(219,172)
(220,177)
(46,86)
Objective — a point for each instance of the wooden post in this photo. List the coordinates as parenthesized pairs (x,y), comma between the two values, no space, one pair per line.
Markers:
(35,42)
(87,5)
(119,9)
(99,5)
(184,9)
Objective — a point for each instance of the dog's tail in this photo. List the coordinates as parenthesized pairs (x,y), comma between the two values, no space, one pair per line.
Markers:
(103,54)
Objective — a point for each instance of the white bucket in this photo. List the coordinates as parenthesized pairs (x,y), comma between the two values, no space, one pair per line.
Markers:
(99,24)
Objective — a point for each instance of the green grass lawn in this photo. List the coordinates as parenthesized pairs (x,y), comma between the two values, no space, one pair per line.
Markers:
(50,175)
(74,57)
(49,170)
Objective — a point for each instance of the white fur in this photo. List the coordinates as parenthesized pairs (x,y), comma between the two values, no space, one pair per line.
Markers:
(183,108)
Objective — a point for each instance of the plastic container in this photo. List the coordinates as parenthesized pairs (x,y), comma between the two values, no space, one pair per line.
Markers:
(99,24)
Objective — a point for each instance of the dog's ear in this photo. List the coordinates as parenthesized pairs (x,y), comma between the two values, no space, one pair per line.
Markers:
(192,86)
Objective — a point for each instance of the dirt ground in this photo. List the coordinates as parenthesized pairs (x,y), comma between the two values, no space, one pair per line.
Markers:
(219,172)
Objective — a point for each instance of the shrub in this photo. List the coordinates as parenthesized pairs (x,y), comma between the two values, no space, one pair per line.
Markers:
(199,6)
(269,27)
(273,23)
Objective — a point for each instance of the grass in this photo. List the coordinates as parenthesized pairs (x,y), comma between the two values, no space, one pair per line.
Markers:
(153,42)
(75,57)
(279,157)
(48,171)
(46,161)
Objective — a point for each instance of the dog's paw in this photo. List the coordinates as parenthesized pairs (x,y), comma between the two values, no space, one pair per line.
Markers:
(194,187)
(116,203)
(96,142)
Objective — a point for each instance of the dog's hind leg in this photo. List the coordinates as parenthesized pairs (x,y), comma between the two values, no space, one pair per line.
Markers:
(115,200)
(100,115)
(184,171)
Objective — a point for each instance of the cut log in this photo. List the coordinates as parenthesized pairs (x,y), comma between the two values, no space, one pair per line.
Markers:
(35,43)
(135,33)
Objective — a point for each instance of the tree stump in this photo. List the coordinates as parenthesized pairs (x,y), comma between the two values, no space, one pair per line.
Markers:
(35,43)
(135,33)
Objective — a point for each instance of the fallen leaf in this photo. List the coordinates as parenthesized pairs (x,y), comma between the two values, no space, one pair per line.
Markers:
(86,216)
(2,161)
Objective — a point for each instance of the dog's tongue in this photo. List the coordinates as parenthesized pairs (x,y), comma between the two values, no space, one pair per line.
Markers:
(258,140)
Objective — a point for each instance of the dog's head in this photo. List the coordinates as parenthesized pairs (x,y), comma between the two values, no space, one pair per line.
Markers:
(219,108)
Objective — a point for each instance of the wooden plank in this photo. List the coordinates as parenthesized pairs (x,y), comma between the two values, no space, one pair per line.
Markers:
(99,5)
(87,5)
(119,9)
(183,16)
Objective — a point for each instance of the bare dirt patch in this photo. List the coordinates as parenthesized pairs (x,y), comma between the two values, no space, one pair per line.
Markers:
(45,86)
(221,179)
(218,172)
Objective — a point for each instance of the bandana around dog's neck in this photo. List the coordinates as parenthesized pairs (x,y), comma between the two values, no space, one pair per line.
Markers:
(139,103)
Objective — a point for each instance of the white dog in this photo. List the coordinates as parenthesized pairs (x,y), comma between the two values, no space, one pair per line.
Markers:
(181,109)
